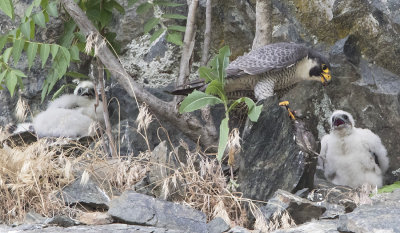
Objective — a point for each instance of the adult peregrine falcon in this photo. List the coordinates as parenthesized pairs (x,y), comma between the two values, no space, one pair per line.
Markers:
(270,69)
(352,156)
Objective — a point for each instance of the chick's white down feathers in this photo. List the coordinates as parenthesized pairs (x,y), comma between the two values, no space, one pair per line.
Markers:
(352,156)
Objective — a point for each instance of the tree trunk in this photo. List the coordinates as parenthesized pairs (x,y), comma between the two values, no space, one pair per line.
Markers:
(186,123)
(263,34)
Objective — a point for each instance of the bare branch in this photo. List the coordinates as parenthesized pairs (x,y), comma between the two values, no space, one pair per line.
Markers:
(207,34)
(187,123)
(263,23)
(187,41)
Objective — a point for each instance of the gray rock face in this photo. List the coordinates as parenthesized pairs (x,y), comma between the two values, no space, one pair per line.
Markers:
(324,226)
(380,217)
(217,225)
(135,208)
(299,209)
(271,158)
(90,195)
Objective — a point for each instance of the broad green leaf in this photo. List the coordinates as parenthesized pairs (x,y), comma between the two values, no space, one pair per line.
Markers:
(54,50)
(74,51)
(157,34)
(65,53)
(131,2)
(223,138)
(166,3)
(11,82)
(44,53)
(17,49)
(144,8)
(6,54)
(197,100)
(207,74)
(32,24)
(175,38)
(117,6)
(223,62)
(44,3)
(52,9)
(173,16)
(7,7)
(19,73)
(39,19)
(94,14)
(26,29)
(59,91)
(2,75)
(37,3)
(76,75)
(80,37)
(28,11)
(105,18)
(31,53)
(3,41)
(254,111)
(215,87)
(177,28)
(389,188)
(150,24)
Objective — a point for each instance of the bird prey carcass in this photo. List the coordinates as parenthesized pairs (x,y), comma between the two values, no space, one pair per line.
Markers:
(270,69)
(352,156)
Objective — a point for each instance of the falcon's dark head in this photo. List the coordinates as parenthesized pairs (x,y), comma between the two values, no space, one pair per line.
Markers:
(321,68)
(341,120)
(85,88)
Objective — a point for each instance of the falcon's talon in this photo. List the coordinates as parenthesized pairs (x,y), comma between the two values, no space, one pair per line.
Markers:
(286,104)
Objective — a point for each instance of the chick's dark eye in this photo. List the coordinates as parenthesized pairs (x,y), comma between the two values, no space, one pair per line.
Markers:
(345,117)
(79,91)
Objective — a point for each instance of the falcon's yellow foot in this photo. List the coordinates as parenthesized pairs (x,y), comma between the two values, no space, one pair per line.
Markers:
(286,104)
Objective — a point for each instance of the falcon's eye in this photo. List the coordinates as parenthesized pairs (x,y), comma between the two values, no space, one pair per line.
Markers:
(325,68)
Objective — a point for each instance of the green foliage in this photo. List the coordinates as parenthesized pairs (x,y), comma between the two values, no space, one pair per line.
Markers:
(215,76)
(157,24)
(7,7)
(389,188)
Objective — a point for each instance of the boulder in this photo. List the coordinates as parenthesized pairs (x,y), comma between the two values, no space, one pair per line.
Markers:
(217,225)
(324,226)
(139,209)
(274,155)
(95,218)
(299,209)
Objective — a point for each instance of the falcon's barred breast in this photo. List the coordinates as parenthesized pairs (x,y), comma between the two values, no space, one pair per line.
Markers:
(273,68)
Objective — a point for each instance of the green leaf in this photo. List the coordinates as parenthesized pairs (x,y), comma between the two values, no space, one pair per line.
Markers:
(37,3)
(28,11)
(207,74)
(173,16)
(254,111)
(2,75)
(68,34)
(197,100)
(66,55)
(74,51)
(7,7)
(165,3)
(118,7)
(215,87)
(76,75)
(223,62)
(131,2)
(150,24)
(19,73)
(11,82)
(175,38)
(157,34)
(26,29)
(105,18)
(60,91)
(3,41)
(144,8)
(54,50)
(17,49)
(389,188)
(223,138)
(32,24)
(31,53)
(39,19)
(44,53)
(52,9)
(44,90)
(6,54)
(177,28)
(80,37)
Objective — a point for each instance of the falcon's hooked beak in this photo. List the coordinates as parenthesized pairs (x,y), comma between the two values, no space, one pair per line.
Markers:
(325,75)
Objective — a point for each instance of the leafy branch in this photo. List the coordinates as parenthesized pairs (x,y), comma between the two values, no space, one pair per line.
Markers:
(157,22)
(215,94)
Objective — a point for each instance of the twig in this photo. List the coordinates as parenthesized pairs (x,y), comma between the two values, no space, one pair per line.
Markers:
(187,40)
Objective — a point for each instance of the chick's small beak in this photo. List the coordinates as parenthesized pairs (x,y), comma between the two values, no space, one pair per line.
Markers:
(325,78)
